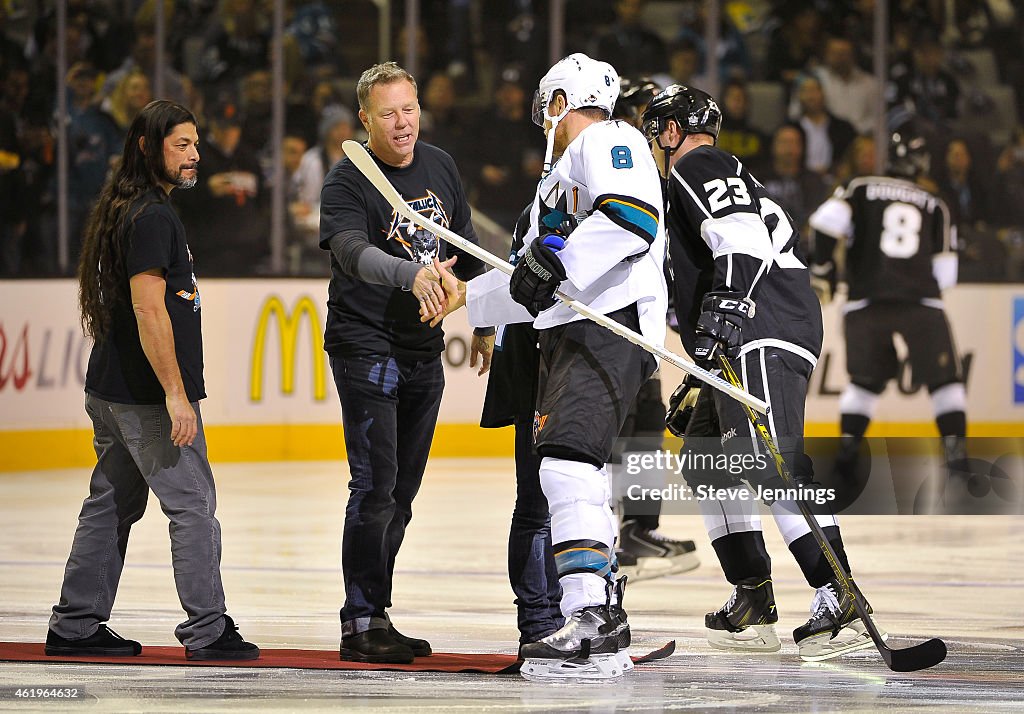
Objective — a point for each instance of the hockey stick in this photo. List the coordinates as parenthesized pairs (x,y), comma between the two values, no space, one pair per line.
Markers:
(910,659)
(359,156)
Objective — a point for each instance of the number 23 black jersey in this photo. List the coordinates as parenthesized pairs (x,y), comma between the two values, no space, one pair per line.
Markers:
(727,234)
(892,228)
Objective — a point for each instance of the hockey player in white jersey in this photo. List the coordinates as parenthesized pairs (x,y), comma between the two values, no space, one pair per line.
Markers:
(742,289)
(600,239)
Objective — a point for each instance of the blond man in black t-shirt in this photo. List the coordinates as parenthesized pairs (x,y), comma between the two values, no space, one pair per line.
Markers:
(386,363)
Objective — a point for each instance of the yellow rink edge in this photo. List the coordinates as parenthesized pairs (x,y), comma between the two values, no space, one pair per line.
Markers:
(27,450)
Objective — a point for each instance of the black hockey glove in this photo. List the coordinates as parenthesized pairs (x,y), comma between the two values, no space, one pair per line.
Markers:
(680,405)
(538,274)
(720,327)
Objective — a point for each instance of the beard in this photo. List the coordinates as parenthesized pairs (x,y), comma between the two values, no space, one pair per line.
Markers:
(181,182)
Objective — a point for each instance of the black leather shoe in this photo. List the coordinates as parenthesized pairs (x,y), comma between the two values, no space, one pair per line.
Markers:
(102,643)
(420,648)
(229,645)
(375,645)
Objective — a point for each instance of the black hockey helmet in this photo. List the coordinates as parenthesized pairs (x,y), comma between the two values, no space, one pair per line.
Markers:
(634,96)
(909,155)
(695,111)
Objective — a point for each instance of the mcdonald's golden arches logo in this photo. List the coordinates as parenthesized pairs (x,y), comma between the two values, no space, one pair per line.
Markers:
(288,323)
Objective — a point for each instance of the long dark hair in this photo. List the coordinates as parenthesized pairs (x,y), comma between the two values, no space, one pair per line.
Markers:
(102,278)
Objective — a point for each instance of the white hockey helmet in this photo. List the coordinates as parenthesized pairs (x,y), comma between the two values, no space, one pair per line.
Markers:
(585,82)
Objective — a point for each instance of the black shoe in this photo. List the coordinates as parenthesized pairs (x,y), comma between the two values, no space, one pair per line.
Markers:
(375,645)
(419,647)
(102,643)
(229,645)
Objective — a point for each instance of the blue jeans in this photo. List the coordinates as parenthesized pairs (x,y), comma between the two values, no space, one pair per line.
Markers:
(389,409)
(134,455)
(531,563)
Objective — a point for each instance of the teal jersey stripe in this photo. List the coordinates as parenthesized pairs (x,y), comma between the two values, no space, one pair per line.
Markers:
(633,215)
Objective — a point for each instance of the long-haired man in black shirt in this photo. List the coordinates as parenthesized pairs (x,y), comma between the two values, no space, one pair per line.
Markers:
(386,363)
(140,303)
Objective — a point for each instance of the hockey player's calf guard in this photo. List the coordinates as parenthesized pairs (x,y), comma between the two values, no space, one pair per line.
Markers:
(538,274)
(720,326)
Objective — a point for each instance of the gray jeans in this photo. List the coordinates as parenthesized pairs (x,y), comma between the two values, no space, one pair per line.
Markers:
(135,454)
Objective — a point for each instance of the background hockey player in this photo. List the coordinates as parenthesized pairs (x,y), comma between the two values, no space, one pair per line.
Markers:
(644,552)
(509,401)
(900,257)
(742,289)
(598,207)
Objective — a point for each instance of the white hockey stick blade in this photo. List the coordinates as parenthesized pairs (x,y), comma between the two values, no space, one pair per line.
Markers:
(359,156)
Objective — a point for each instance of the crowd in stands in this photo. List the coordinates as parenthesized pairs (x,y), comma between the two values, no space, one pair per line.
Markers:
(796,86)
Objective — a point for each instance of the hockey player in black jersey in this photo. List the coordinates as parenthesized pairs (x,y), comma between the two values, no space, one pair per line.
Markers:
(900,256)
(741,288)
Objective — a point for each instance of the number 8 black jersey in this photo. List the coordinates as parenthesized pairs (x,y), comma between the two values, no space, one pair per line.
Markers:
(892,228)
(727,234)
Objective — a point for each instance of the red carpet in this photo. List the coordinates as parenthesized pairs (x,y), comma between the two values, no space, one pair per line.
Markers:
(289,659)
(300,659)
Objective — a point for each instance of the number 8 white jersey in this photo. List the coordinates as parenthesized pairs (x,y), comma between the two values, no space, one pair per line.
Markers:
(892,229)
(604,196)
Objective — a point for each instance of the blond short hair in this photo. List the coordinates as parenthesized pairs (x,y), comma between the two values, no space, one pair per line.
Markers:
(383,73)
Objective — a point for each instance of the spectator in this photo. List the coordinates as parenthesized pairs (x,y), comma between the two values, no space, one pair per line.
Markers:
(441,124)
(926,88)
(508,158)
(316,32)
(737,136)
(793,44)
(683,66)
(788,181)
(293,147)
(94,143)
(37,197)
(962,188)
(12,225)
(1010,176)
(336,126)
(142,59)
(224,214)
(630,47)
(826,137)
(239,43)
(850,92)
(11,52)
(129,97)
(428,60)
(14,89)
(257,108)
(859,160)
(306,103)
(732,55)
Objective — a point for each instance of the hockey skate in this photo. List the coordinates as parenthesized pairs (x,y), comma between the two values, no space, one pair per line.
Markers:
(646,554)
(747,621)
(591,646)
(834,628)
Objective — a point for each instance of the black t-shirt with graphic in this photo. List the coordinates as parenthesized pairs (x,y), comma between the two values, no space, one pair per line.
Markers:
(119,370)
(366,318)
